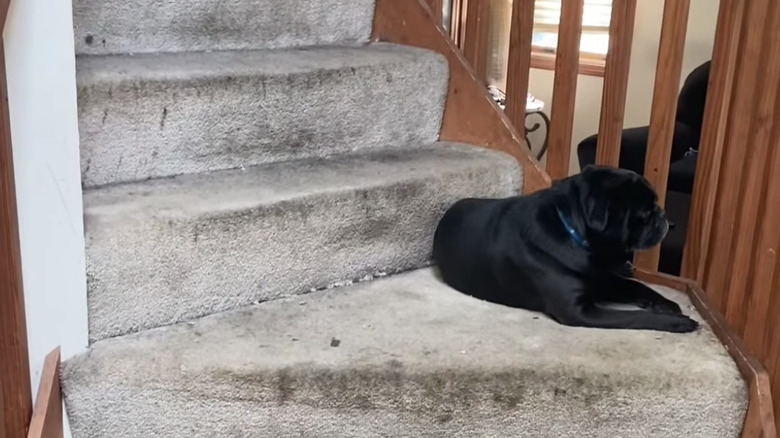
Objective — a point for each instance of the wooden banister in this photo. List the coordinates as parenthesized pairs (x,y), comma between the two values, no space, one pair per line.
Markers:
(475,36)
(519,62)
(716,111)
(615,89)
(564,89)
(664,107)
(750,63)
(734,237)
(758,177)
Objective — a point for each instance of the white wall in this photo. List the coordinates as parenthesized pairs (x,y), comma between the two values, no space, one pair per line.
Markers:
(42,96)
(644,56)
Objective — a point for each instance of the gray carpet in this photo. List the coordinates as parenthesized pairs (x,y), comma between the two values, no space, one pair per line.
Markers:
(167,250)
(240,159)
(138,26)
(404,356)
(167,114)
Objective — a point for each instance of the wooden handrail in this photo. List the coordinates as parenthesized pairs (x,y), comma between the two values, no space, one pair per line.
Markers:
(615,88)
(662,114)
(15,393)
(567,60)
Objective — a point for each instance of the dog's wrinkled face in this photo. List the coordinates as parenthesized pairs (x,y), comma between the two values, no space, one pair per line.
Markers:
(620,209)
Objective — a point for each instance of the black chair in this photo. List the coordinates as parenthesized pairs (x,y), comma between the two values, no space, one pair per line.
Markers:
(685,145)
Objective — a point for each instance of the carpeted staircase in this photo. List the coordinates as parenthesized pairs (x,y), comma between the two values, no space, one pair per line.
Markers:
(244,163)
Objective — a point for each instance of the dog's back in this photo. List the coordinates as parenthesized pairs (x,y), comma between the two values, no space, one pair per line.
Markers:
(467,243)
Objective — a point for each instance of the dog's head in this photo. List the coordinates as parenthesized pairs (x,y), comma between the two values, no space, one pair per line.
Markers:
(616,208)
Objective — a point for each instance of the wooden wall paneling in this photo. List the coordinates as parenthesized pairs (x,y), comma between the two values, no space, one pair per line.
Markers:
(722,237)
(47,415)
(714,129)
(470,114)
(567,58)
(754,210)
(519,62)
(15,393)
(615,88)
(476,36)
(664,106)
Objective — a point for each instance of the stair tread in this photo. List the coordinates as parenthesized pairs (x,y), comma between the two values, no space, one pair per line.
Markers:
(239,189)
(409,343)
(167,250)
(156,115)
(237,63)
(121,26)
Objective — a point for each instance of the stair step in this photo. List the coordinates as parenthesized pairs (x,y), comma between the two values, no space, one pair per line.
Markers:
(167,250)
(160,115)
(128,26)
(405,356)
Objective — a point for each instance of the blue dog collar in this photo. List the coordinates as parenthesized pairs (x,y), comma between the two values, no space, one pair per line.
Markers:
(575,236)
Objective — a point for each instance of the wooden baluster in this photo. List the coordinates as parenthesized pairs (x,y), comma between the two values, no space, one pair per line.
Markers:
(613,100)
(437,8)
(456,15)
(476,35)
(567,60)
(519,63)
(755,209)
(760,303)
(662,115)
(745,93)
(708,162)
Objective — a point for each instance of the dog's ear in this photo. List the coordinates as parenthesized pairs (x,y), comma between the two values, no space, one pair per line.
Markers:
(592,194)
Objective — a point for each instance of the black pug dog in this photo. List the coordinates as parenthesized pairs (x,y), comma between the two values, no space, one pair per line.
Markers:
(562,251)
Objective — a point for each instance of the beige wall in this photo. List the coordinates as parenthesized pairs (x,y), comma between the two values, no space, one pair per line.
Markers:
(698,49)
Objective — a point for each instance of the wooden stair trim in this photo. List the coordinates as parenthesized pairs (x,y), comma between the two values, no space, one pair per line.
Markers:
(47,414)
(760,418)
(470,114)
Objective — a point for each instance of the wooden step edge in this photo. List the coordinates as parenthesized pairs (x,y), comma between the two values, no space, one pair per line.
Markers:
(470,114)
(760,418)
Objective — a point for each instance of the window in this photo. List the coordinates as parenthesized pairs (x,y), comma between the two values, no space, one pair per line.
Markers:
(595,35)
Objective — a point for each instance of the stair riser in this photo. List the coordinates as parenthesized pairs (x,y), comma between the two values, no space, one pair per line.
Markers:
(508,408)
(151,271)
(136,130)
(135,26)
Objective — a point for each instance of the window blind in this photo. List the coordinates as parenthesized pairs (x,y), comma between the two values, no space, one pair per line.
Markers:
(595,26)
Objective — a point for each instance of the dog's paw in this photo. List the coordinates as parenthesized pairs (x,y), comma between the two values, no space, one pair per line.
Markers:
(679,324)
(666,307)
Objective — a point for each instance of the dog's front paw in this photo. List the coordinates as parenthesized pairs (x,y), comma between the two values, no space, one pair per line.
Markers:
(679,324)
